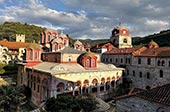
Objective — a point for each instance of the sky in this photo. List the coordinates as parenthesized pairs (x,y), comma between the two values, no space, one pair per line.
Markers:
(93,19)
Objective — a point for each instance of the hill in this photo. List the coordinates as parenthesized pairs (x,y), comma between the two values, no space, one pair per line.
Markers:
(8,30)
(162,38)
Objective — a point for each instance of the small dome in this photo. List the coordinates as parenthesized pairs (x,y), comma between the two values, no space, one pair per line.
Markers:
(34,45)
(153,44)
(50,30)
(62,35)
(89,54)
(78,42)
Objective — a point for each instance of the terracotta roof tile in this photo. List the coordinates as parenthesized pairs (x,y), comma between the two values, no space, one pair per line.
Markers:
(17,45)
(121,51)
(160,94)
(13,45)
(155,52)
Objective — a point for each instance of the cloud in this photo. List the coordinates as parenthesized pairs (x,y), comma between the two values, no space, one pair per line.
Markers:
(91,18)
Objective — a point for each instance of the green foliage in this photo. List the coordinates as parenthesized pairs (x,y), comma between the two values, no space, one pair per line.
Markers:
(161,38)
(10,95)
(1,68)
(87,102)
(8,30)
(66,103)
(11,67)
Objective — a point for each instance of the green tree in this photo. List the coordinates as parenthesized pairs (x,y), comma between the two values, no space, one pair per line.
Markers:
(87,102)
(5,99)
(11,96)
(66,103)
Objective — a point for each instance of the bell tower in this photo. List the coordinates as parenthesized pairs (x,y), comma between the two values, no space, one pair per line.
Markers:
(20,38)
(121,38)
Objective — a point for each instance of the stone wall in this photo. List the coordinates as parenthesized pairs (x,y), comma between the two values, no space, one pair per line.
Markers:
(138,73)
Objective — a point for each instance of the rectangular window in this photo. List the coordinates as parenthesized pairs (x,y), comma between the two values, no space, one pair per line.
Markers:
(126,60)
(106,59)
(38,88)
(149,61)
(116,60)
(129,60)
(148,75)
(36,55)
(139,60)
(111,60)
(140,74)
(34,86)
(121,60)
(127,72)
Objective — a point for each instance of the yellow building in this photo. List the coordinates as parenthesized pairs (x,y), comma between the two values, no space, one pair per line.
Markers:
(73,72)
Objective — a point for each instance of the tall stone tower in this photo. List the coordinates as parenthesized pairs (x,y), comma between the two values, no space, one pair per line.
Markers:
(20,38)
(121,38)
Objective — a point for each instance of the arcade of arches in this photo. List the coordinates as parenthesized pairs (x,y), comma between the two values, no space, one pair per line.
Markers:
(94,86)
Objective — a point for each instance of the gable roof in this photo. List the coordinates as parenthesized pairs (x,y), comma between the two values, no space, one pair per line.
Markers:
(17,45)
(121,51)
(154,52)
(70,50)
(14,45)
(160,94)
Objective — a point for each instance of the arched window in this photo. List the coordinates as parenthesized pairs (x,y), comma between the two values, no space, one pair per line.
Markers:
(161,73)
(121,60)
(93,63)
(134,73)
(127,72)
(139,60)
(69,58)
(125,40)
(49,37)
(56,47)
(159,62)
(88,63)
(86,83)
(60,87)
(163,63)
(140,74)
(149,61)
(95,82)
(31,54)
(148,87)
(148,75)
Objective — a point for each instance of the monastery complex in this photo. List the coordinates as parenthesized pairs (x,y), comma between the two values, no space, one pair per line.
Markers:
(52,68)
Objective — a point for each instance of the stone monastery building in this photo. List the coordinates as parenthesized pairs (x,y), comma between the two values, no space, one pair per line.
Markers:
(146,68)
(62,69)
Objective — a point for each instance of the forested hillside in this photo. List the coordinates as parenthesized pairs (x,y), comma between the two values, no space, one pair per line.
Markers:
(162,38)
(8,30)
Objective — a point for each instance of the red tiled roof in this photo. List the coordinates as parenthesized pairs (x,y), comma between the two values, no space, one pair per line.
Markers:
(160,94)
(30,64)
(121,51)
(17,45)
(132,92)
(155,52)
(13,45)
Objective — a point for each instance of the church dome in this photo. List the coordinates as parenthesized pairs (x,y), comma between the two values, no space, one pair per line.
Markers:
(89,54)
(34,45)
(77,42)
(153,44)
